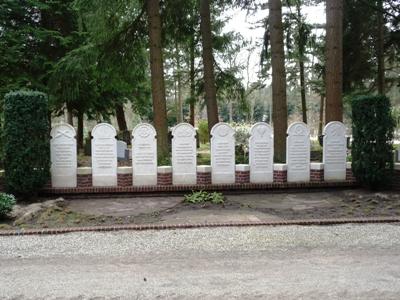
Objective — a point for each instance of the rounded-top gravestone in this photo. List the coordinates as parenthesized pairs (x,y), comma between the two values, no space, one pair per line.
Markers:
(261,153)
(184,161)
(144,155)
(104,155)
(298,152)
(63,156)
(222,154)
(334,151)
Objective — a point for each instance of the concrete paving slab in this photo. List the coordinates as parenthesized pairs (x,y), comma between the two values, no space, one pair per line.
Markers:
(297,201)
(216,216)
(121,207)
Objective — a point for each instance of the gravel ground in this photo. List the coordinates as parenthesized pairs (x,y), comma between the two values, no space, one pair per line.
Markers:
(331,262)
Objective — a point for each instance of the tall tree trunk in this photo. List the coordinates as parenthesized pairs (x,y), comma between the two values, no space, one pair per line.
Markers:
(334,60)
(176,98)
(321,115)
(303,92)
(179,84)
(279,105)
(301,45)
(70,116)
(230,107)
(79,137)
(157,77)
(379,50)
(192,83)
(208,62)
(252,106)
(120,114)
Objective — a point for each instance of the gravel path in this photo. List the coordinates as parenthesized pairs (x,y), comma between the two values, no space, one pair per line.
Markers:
(335,262)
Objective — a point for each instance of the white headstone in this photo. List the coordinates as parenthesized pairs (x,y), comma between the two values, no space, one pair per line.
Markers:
(334,151)
(298,152)
(104,155)
(144,155)
(184,162)
(63,156)
(261,153)
(121,149)
(222,154)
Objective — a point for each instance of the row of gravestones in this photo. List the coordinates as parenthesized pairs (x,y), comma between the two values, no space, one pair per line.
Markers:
(184,163)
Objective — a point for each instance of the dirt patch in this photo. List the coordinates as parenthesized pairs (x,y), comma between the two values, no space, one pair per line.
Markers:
(237,208)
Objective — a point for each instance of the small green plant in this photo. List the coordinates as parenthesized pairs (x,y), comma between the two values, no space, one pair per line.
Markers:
(7,202)
(201,197)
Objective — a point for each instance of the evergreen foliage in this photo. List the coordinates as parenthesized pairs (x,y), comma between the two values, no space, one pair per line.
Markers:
(26,142)
(6,204)
(373,126)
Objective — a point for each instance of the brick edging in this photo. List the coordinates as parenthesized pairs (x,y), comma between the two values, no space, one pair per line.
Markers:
(48,231)
(205,187)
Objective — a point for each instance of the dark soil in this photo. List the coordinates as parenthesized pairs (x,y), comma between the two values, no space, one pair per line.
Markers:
(339,204)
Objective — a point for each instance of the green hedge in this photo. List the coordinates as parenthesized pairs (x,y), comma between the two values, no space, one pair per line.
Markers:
(6,204)
(373,127)
(26,142)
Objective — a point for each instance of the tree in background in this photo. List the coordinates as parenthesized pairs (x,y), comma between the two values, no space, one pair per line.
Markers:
(103,73)
(157,76)
(298,39)
(371,46)
(334,60)
(279,105)
(35,35)
(208,63)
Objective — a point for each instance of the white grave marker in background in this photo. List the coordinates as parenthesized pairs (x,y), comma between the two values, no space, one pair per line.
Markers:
(63,156)
(184,163)
(104,155)
(261,153)
(298,152)
(334,151)
(144,155)
(222,154)
(121,149)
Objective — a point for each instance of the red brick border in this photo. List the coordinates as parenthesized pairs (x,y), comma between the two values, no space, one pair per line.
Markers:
(206,187)
(280,176)
(124,179)
(317,175)
(242,176)
(84,181)
(47,231)
(164,178)
(203,178)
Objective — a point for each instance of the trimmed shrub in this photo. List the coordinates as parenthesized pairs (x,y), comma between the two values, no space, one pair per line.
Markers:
(6,204)
(26,142)
(373,126)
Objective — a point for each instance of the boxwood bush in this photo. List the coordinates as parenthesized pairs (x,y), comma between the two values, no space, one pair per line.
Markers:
(373,127)
(6,204)
(26,142)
